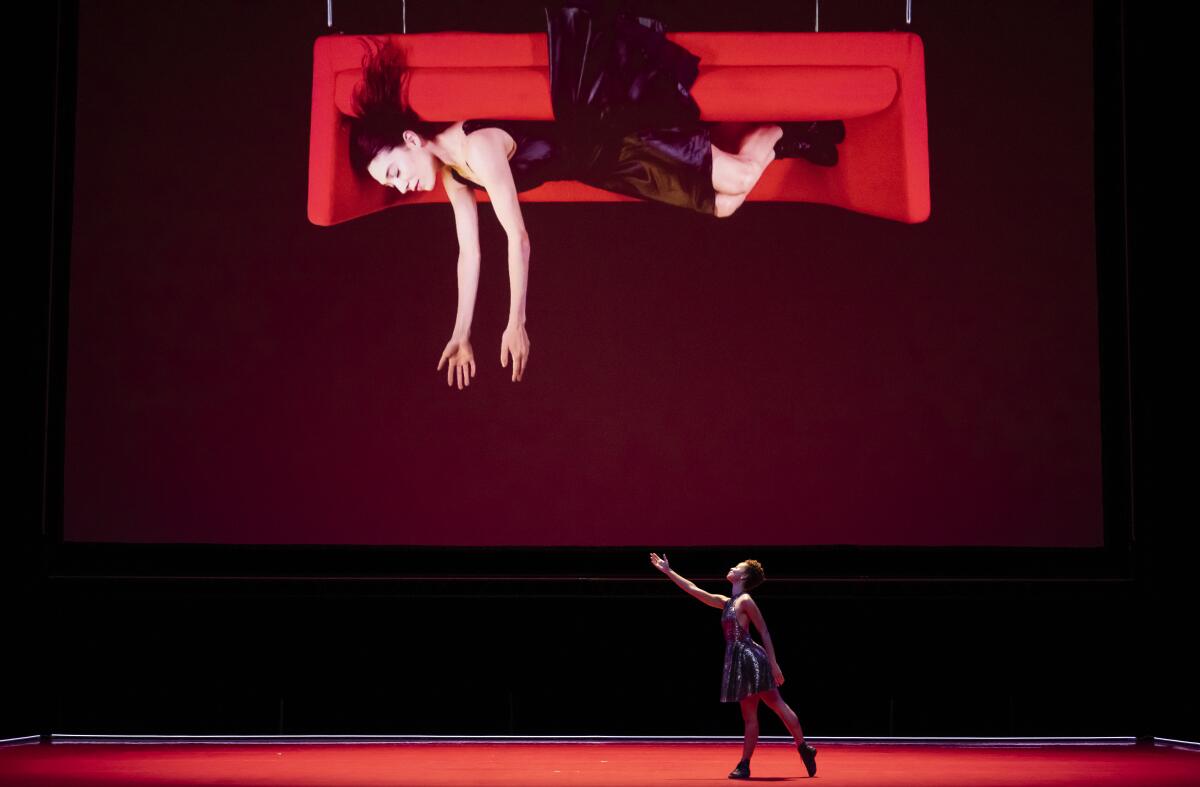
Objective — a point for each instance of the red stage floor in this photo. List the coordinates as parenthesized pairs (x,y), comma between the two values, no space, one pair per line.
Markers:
(587,764)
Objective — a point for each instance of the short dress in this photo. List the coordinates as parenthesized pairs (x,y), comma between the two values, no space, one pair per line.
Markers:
(747,666)
(624,117)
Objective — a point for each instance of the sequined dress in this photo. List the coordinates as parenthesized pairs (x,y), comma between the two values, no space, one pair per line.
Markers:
(747,666)
(624,117)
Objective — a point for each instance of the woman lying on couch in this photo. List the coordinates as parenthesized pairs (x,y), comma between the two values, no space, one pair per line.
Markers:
(625,121)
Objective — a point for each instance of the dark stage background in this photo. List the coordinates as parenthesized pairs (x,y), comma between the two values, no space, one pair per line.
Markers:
(796,375)
(128,638)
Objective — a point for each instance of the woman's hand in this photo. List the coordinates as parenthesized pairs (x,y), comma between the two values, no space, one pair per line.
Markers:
(660,562)
(515,344)
(778,673)
(461,362)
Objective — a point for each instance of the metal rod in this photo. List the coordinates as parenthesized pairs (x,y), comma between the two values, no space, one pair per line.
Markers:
(908,12)
(329,14)
(404,16)
(817,16)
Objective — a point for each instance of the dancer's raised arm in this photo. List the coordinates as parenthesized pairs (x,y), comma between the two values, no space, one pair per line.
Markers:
(711,599)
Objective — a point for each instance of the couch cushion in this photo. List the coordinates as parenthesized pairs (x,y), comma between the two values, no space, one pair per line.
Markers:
(724,93)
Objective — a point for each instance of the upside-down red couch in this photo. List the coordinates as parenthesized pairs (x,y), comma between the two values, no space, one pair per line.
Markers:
(875,82)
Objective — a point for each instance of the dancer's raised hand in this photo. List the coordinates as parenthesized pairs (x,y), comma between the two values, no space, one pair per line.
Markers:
(660,562)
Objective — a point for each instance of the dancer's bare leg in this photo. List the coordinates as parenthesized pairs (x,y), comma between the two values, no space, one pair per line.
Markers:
(750,717)
(735,174)
(789,718)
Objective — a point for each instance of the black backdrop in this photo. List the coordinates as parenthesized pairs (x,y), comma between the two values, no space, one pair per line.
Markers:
(1065,654)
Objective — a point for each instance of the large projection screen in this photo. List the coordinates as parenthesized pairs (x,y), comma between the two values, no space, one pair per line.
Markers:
(793,375)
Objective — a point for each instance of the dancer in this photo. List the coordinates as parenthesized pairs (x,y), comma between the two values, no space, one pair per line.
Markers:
(625,121)
(751,672)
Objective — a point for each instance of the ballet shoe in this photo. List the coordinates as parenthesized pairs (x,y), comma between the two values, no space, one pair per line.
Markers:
(809,755)
(742,771)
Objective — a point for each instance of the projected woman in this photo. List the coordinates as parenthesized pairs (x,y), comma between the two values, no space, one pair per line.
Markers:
(625,122)
(751,673)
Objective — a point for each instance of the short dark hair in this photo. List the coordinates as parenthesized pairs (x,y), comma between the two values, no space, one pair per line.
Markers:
(755,575)
(383,113)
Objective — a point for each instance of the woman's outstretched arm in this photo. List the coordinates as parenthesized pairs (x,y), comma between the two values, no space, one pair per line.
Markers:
(755,615)
(711,599)
(458,353)
(487,157)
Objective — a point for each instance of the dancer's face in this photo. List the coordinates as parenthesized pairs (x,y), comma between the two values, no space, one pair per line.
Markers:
(406,167)
(737,572)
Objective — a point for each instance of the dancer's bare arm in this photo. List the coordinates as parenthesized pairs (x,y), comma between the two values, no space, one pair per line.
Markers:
(487,157)
(711,599)
(756,618)
(458,353)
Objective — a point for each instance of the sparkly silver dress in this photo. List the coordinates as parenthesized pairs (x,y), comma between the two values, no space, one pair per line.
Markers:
(747,667)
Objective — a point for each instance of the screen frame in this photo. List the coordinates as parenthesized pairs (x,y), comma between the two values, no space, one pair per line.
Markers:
(1113,561)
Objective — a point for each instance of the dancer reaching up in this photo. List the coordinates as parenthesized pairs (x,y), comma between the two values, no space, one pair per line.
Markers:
(751,671)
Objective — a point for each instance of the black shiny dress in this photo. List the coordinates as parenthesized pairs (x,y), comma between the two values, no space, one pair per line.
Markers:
(624,118)
(747,666)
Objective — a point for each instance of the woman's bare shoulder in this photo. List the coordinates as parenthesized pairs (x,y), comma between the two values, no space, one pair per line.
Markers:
(490,142)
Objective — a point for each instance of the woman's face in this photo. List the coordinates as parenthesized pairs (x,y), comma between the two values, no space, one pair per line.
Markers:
(407,167)
(737,572)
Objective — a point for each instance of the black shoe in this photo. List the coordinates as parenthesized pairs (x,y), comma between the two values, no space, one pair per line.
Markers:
(833,131)
(830,130)
(823,154)
(809,755)
(742,771)
(813,140)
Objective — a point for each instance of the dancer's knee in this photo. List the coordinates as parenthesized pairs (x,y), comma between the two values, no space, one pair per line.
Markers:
(774,700)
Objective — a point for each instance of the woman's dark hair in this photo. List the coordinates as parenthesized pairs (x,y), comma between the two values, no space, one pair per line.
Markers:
(383,114)
(755,575)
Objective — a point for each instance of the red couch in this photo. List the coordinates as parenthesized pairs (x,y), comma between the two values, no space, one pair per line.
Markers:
(875,82)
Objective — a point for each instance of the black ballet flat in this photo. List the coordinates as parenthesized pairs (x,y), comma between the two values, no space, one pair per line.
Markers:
(742,771)
(809,755)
